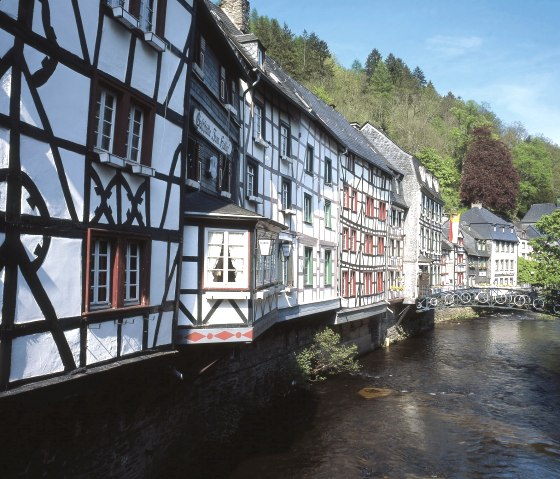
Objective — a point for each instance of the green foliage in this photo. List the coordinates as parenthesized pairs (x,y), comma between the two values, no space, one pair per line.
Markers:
(445,170)
(326,357)
(406,105)
(534,164)
(525,271)
(546,251)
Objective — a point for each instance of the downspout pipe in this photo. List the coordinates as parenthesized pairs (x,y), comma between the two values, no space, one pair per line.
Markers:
(245,141)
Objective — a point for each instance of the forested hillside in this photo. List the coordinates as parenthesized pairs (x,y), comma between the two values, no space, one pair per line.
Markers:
(390,94)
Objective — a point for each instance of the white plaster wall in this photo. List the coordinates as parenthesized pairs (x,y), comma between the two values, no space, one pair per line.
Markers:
(157,200)
(190,243)
(177,24)
(73,339)
(166,139)
(157,272)
(5,88)
(106,174)
(38,162)
(65,98)
(132,335)
(165,329)
(189,275)
(101,342)
(113,54)
(34,355)
(10,7)
(60,276)
(169,65)
(90,14)
(191,303)
(64,24)
(225,314)
(144,68)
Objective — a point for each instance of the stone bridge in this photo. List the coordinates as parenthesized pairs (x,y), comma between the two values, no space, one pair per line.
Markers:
(545,301)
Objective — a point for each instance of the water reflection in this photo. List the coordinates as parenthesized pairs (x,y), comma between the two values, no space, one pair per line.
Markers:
(475,399)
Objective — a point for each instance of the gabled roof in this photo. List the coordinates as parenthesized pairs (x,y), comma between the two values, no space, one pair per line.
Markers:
(537,211)
(332,120)
(469,244)
(483,224)
(401,160)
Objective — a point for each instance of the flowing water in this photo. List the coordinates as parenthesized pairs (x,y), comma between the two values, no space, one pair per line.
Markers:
(476,398)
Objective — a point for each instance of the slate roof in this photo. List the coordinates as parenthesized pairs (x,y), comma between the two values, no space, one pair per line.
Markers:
(469,244)
(301,97)
(537,211)
(483,224)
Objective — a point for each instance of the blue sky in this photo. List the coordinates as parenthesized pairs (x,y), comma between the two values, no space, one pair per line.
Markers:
(505,53)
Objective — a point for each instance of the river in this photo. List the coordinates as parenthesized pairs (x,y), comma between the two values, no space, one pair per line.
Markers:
(477,398)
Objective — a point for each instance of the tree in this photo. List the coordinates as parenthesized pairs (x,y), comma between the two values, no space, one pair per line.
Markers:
(546,251)
(418,74)
(488,174)
(532,161)
(371,61)
(445,170)
(327,357)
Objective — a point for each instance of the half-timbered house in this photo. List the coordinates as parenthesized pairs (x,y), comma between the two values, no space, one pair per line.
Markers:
(91,165)
(229,281)
(422,223)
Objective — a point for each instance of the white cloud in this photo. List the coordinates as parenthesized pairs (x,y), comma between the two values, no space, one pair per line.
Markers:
(453,46)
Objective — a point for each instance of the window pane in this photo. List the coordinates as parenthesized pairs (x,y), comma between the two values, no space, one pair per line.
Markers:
(100,277)
(104,120)
(134,134)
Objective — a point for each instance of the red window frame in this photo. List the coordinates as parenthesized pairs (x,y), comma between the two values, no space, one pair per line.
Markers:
(117,267)
(380,245)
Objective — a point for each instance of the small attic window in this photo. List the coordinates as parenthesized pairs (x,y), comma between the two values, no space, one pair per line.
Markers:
(260,56)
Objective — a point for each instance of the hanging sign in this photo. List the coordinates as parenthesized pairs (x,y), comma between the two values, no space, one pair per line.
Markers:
(208,129)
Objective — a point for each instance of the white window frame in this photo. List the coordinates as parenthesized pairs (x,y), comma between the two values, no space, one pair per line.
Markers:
(132,273)
(307,208)
(286,193)
(257,121)
(242,277)
(252,179)
(96,272)
(284,140)
(100,120)
(307,266)
(134,136)
(328,214)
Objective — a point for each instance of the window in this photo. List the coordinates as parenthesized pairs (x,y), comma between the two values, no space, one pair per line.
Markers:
(307,208)
(380,286)
(201,53)
(266,267)
(308,266)
(260,56)
(117,269)
(149,13)
(368,247)
(258,121)
(309,159)
(382,211)
(350,163)
(224,178)
(370,207)
(353,200)
(328,267)
(286,194)
(328,171)
(380,245)
(368,283)
(345,239)
(252,178)
(348,283)
(223,85)
(285,147)
(352,239)
(120,125)
(226,258)
(328,214)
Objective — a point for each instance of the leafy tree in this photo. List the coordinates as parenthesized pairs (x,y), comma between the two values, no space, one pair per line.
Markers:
(532,161)
(445,170)
(546,251)
(327,357)
(526,271)
(418,74)
(488,174)
(357,66)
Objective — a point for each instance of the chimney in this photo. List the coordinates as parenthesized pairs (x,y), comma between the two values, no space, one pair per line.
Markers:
(476,205)
(238,12)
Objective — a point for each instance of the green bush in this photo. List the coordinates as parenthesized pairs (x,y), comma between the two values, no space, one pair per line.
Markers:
(326,357)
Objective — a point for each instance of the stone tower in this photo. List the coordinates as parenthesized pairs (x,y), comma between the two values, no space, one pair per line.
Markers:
(238,13)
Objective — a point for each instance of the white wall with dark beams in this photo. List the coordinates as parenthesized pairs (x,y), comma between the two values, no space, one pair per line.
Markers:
(66,195)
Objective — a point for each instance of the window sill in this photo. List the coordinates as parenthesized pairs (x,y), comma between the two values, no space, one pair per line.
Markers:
(122,163)
(225,194)
(261,142)
(288,160)
(126,18)
(192,183)
(288,212)
(198,71)
(154,41)
(231,109)
(103,312)
(254,199)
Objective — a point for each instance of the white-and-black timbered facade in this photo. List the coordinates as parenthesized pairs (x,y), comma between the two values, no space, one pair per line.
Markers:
(92,161)
(365,241)
(228,290)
